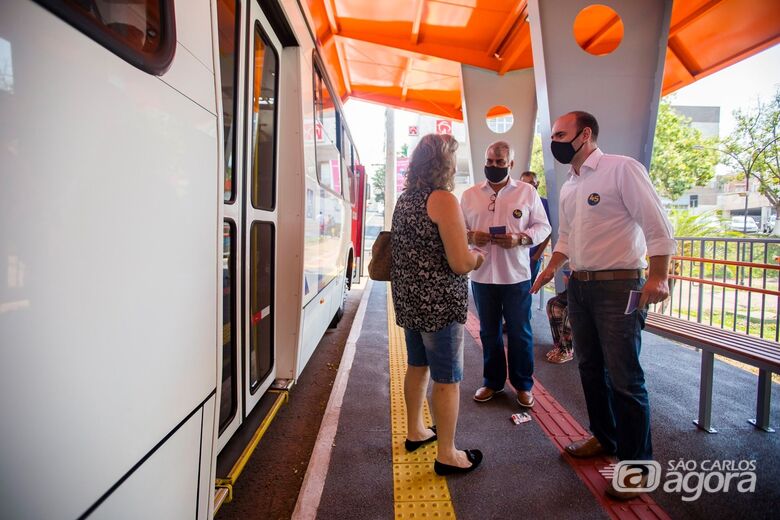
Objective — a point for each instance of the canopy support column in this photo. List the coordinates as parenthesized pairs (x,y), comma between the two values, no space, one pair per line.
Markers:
(621,89)
(482,90)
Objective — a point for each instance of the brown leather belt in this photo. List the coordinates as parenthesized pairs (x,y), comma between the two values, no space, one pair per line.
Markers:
(602,276)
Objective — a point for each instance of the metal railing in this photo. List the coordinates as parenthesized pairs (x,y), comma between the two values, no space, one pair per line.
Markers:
(729,283)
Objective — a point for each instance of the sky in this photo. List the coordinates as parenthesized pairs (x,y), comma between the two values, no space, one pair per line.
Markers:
(734,87)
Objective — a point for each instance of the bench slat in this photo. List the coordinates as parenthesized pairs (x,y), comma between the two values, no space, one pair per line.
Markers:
(724,339)
(686,328)
(754,351)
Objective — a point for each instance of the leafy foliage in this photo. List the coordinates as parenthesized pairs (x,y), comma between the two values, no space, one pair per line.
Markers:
(537,164)
(682,158)
(378,183)
(753,148)
(687,224)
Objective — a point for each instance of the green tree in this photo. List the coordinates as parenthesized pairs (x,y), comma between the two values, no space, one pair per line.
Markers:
(707,224)
(378,182)
(682,158)
(537,164)
(753,148)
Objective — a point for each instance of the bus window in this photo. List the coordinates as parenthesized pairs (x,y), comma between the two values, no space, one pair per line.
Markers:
(346,154)
(140,32)
(227,13)
(261,279)
(229,401)
(264,123)
(325,149)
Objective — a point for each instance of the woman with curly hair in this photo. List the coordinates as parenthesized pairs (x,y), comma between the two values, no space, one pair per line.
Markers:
(430,295)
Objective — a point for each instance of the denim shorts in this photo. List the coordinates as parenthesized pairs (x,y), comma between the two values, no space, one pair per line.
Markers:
(442,351)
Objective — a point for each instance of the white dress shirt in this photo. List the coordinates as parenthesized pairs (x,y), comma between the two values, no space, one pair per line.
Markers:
(611,217)
(519,208)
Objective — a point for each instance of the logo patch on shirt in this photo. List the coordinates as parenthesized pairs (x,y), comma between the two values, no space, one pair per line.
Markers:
(594,198)
(517,213)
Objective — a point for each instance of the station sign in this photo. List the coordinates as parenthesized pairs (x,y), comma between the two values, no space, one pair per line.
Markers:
(310,131)
(444,127)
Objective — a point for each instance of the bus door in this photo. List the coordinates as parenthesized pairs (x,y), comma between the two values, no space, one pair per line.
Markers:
(260,206)
(249,68)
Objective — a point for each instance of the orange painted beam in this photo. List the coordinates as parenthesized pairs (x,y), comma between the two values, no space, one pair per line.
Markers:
(447,52)
(496,46)
(417,20)
(424,107)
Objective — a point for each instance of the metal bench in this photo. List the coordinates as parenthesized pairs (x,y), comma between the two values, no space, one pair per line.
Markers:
(760,353)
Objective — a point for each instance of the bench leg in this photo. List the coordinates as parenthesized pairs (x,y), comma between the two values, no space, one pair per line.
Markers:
(762,401)
(705,392)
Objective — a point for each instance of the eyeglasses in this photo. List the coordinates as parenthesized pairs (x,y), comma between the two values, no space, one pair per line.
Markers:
(492,205)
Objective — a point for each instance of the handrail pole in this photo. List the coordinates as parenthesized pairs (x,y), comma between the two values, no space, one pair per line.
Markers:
(701,285)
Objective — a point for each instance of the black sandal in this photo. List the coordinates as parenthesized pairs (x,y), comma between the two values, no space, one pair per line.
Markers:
(474,456)
(413,445)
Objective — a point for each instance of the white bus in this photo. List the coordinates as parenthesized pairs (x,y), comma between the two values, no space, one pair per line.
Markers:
(177,191)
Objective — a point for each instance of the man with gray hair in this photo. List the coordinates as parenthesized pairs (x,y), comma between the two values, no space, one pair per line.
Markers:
(504,217)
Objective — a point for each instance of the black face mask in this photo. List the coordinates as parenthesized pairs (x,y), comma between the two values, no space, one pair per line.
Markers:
(496,174)
(564,151)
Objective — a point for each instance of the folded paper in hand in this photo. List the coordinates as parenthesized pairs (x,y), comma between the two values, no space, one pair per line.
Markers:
(633,301)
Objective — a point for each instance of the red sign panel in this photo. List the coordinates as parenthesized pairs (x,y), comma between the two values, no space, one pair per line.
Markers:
(414,131)
(401,165)
(444,126)
(310,131)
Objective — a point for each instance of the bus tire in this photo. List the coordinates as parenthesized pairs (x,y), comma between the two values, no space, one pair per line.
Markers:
(340,311)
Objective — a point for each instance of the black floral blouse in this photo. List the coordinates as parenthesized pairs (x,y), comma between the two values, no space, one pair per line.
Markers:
(427,294)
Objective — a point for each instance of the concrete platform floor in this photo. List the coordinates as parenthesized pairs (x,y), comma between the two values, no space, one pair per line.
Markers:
(523,474)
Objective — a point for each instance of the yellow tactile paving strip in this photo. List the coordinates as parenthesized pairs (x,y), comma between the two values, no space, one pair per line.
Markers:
(418,492)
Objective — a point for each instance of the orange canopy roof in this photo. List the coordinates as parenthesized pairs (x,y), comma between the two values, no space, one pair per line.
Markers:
(407,53)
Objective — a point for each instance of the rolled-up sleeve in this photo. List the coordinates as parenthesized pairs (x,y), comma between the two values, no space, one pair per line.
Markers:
(644,205)
(562,245)
(539,226)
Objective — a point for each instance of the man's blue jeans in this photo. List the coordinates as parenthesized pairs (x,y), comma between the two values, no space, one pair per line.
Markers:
(607,343)
(513,302)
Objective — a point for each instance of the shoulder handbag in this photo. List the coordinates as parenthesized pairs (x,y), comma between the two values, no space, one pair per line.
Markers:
(381,257)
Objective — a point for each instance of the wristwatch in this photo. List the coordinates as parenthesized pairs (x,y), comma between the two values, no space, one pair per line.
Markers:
(525,241)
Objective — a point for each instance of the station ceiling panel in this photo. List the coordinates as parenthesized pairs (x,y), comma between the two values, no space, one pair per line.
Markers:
(407,53)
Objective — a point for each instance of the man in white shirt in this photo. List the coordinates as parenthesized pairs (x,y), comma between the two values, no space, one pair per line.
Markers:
(610,219)
(504,217)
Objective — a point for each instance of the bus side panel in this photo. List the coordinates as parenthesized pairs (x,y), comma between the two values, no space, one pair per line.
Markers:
(109,212)
(317,314)
(166,484)
(291,215)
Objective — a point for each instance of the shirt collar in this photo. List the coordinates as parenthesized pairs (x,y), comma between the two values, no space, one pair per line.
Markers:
(509,185)
(591,163)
